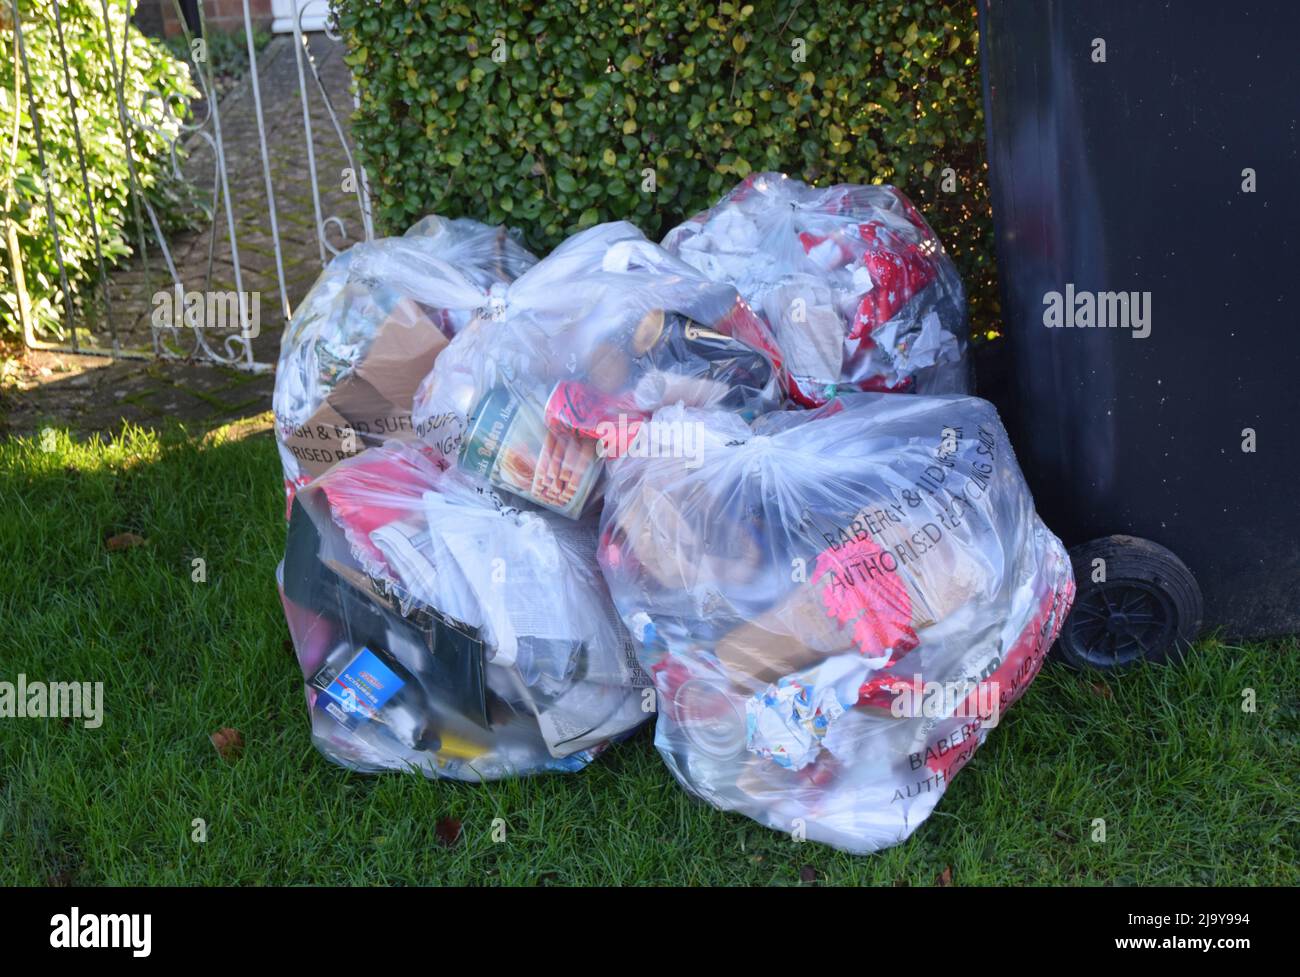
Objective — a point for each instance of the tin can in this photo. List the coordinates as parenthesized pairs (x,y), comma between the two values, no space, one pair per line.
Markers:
(509,445)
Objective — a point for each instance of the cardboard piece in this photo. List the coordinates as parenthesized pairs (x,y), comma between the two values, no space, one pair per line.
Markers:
(321,442)
(373,402)
(940,580)
(668,547)
(789,637)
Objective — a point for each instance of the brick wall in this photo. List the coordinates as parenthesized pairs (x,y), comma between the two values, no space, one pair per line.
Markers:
(224,16)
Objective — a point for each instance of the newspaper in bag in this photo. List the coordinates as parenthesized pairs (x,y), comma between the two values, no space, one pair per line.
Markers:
(443,630)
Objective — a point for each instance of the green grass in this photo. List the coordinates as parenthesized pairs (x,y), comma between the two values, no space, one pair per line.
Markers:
(1193,789)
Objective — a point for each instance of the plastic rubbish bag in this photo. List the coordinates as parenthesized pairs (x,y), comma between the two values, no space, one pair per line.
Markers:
(369,331)
(836,605)
(582,348)
(854,284)
(442,630)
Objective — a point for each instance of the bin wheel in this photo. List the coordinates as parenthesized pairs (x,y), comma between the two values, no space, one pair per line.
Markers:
(1140,603)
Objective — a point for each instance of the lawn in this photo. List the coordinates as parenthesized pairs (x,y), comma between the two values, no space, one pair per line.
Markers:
(1193,789)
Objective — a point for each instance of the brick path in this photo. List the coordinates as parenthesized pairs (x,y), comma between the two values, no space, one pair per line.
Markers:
(95,394)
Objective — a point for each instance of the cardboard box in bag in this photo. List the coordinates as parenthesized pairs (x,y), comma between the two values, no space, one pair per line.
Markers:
(373,402)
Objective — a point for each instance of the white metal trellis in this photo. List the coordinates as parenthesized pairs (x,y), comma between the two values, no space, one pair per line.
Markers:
(174,340)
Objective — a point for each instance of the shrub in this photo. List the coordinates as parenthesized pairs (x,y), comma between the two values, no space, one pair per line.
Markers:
(150,76)
(549,115)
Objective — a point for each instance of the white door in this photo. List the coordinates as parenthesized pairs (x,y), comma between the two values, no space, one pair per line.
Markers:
(312,13)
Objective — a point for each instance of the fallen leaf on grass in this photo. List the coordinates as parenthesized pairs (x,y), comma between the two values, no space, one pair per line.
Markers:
(447,831)
(1102,690)
(229,742)
(124,541)
(807,875)
(945,877)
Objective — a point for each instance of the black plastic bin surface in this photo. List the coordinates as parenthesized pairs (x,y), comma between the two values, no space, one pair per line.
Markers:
(1127,175)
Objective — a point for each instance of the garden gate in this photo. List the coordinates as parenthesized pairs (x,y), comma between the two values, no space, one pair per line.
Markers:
(191,315)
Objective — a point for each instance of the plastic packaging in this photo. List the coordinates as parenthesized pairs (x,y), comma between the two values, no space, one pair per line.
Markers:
(580,350)
(442,630)
(369,331)
(854,284)
(836,605)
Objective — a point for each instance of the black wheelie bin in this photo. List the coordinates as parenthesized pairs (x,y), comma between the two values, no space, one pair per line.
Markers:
(1145,177)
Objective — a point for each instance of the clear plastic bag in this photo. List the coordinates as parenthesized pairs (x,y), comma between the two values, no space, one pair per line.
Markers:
(370,330)
(442,630)
(578,352)
(854,284)
(836,605)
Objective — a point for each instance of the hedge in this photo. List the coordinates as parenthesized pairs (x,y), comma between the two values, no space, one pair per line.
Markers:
(550,115)
(151,75)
